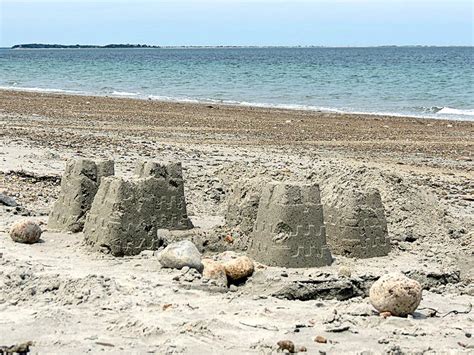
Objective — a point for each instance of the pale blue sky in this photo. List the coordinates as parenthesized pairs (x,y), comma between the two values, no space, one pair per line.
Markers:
(238,22)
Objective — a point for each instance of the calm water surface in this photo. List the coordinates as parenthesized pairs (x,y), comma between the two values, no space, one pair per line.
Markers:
(428,82)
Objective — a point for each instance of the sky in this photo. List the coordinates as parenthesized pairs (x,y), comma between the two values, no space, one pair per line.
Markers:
(238,22)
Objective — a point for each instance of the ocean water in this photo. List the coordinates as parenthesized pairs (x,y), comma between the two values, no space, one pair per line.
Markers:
(433,82)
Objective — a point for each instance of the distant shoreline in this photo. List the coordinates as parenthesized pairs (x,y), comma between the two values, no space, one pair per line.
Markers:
(144,46)
(77,46)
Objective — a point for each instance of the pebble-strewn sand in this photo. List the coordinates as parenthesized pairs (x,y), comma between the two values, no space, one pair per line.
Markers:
(243,125)
(68,299)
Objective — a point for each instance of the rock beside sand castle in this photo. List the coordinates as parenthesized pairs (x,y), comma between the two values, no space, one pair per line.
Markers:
(27,232)
(239,268)
(396,293)
(213,270)
(180,254)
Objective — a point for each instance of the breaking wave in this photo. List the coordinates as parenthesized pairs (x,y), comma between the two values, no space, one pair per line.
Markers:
(455,111)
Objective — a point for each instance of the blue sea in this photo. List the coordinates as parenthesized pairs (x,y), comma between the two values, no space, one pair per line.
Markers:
(433,82)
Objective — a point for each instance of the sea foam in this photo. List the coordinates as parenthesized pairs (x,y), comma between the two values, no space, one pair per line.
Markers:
(124,93)
(45,90)
(455,111)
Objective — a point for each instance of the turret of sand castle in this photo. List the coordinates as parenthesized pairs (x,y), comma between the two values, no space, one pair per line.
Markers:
(79,185)
(289,230)
(126,214)
(356,224)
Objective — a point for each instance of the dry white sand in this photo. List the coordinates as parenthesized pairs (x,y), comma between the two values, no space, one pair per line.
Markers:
(68,299)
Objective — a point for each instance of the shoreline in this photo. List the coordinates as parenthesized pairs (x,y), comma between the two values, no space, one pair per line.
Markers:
(231,103)
(361,135)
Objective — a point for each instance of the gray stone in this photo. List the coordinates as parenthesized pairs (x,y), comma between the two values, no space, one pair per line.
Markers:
(324,287)
(242,206)
(180,255)
(199,237)
(356,224)
(289,230)
(126,214)
(79,185)
(7,200)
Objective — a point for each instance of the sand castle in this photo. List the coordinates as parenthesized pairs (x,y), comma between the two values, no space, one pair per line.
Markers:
(79,185)
(285,221)
(354,218)
(356,224)
(126,214)
(289,230)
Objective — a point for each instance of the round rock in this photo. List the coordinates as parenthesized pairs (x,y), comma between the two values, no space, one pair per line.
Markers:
(214,270)
(395,293)
(180,254)
(25,231)
(239,268)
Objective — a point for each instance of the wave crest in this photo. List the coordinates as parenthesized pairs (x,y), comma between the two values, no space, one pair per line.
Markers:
(455,111)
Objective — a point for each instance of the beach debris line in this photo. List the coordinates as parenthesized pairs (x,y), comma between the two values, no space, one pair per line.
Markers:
(289,230)
(395,293)
(34,177)
(25,231)
(79,185)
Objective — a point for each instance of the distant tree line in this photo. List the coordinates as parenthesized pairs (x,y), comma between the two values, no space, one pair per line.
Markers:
(61,46)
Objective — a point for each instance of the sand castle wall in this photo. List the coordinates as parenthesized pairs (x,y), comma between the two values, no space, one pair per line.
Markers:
(289,230)
(354,217)
(126,214)
(356,224)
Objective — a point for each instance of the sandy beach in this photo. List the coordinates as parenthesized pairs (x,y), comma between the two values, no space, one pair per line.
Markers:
(67,298)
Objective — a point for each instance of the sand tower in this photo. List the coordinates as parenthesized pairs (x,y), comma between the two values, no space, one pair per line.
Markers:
(126,214)
(356,224)
(79,185)
(289,230)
